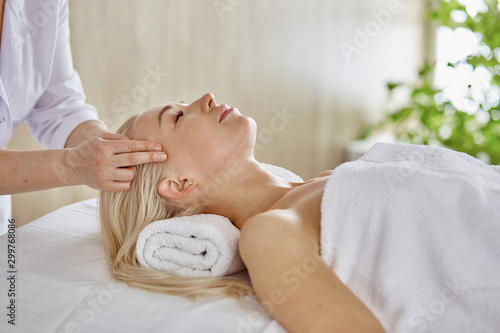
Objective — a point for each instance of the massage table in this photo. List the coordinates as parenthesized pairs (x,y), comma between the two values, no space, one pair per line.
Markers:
(62,284)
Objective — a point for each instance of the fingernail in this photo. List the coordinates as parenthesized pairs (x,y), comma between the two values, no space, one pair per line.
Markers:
(162,157)
(156,148)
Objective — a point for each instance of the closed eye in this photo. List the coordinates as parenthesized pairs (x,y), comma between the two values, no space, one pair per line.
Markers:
(179,114)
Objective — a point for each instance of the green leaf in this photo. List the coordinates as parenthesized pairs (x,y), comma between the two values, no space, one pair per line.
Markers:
(422,111)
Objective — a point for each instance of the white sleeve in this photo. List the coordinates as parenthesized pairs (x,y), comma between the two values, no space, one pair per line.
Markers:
(62,106)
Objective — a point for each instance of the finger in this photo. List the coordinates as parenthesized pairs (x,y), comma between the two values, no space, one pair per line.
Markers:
(130,159)
(130,146)
(113,136)
(116,186)
(123,174)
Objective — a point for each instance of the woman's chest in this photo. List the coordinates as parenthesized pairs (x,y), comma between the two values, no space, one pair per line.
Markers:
(305,204)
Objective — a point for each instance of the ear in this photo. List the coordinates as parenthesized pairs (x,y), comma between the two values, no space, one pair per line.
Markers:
(175,188)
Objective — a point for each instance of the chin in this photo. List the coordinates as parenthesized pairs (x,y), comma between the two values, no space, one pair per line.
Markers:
(248,134)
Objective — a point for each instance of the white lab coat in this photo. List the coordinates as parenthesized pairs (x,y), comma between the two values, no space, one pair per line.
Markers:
(38,83)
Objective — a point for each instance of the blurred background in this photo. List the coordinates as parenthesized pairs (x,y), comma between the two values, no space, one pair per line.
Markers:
(317,76)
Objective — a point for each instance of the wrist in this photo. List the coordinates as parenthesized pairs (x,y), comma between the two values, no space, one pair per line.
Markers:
(68,173)
(84,132)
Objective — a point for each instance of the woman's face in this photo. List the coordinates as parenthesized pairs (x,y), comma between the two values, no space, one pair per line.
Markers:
(199,138)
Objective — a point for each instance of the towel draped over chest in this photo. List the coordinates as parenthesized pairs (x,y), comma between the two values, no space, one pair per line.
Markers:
(414,232)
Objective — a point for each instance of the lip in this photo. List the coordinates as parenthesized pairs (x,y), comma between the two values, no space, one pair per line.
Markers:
(224,111)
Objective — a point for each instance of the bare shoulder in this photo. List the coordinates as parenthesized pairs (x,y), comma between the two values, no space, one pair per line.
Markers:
(293,283)
(267,224)
(274,220)
(325,173)
(274,230)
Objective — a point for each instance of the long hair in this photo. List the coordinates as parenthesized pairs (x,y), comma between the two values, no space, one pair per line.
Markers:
(123,215)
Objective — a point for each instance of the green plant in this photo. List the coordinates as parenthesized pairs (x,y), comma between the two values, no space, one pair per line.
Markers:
(428,117)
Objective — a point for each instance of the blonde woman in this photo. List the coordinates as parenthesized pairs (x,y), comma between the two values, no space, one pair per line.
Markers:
(279,221)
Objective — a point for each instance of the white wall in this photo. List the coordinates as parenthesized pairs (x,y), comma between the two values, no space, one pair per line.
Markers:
(264,57)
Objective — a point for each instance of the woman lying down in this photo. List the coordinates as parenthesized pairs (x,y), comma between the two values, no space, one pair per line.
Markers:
(406,239)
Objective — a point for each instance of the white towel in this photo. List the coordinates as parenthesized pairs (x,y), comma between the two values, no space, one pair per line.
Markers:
(197,246)
(414,232)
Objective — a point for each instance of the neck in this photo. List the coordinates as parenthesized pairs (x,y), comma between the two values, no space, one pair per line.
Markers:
(250,191)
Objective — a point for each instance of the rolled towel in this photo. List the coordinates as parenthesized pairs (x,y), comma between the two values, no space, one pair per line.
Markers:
(196,246)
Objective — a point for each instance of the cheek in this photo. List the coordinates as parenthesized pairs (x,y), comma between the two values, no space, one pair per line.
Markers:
(209,146)
(200,138)
(200,146)
(212,146)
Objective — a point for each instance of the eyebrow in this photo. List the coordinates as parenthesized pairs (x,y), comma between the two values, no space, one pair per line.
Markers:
(165,109)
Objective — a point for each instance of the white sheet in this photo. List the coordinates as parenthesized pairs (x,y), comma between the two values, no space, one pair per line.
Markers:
(63,285)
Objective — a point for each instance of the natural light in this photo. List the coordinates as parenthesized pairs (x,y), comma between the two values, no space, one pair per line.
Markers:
(453,46)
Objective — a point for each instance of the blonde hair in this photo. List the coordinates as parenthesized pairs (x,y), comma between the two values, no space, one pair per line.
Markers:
(123,215)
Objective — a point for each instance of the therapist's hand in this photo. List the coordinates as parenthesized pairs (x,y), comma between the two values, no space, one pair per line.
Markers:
(107,161)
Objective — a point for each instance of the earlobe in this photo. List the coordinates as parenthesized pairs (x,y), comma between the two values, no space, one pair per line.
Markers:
(175,189)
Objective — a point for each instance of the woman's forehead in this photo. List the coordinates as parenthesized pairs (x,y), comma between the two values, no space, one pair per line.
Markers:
(149,113)
(146,123)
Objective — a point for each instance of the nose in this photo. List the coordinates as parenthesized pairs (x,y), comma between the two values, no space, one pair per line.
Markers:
(206,102)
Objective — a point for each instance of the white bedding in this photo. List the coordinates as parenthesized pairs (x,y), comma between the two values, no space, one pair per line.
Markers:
(414,232)
(63,285)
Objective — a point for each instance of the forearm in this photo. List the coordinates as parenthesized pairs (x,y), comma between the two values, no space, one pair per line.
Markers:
(25,171)
(85,131)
